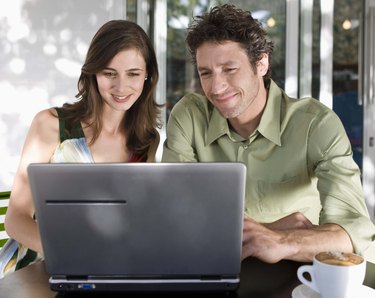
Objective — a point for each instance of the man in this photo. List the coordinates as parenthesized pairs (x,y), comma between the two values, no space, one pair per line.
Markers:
(303,191)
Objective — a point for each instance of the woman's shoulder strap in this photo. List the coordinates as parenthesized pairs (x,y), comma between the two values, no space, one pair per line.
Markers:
(67,129)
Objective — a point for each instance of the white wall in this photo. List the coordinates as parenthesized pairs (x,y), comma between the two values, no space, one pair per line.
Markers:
(43,44)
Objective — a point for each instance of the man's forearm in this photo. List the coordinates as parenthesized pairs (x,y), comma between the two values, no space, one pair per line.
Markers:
(288,242)
(306,243)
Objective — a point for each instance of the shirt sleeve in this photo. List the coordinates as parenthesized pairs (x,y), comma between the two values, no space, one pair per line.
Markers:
(339,183)
(178,146)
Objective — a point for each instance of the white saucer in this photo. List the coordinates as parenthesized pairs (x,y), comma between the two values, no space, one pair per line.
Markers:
(303,291)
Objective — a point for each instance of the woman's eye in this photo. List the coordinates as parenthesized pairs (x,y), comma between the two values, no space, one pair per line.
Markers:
(133,74)
(109,74)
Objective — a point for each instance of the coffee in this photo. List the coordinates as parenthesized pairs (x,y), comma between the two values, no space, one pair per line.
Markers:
(334,274)
(339,258)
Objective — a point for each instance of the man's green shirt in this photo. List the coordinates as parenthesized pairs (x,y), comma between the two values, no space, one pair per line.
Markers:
(298,159)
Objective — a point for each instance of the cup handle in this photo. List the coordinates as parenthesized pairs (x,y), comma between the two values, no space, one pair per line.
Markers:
(307,269)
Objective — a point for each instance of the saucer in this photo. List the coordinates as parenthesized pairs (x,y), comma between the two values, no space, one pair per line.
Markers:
(303,291)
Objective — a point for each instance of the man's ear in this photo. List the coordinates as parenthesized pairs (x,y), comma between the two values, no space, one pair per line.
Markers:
(263,65)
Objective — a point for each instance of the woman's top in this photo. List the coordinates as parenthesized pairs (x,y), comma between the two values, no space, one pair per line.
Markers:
(73,148)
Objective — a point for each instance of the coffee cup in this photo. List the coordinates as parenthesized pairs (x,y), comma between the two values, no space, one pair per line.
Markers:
(334,274)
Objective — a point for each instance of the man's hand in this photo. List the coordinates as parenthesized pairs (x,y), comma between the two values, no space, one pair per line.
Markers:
(293,237)
(262,242)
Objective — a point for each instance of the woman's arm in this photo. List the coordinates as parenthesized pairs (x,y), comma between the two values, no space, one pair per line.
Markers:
(40,143)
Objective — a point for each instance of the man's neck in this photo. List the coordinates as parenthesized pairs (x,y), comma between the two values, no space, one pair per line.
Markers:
(245,128)
(246,123)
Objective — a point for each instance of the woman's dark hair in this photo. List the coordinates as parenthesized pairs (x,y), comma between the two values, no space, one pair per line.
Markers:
(142,119)
(227,23)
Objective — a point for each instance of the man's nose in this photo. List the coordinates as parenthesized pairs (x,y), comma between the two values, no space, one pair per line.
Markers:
(218,84)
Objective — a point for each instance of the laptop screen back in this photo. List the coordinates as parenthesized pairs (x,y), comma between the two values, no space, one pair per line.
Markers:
(140,219)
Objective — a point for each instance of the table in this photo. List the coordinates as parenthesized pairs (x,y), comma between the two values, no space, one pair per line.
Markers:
(258,280)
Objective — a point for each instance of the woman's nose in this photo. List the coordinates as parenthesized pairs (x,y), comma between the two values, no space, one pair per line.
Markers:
(120,83)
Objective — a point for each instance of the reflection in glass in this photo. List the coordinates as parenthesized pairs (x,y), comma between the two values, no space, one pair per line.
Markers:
(345,72)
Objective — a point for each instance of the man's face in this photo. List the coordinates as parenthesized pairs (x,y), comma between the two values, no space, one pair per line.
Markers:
(227,78)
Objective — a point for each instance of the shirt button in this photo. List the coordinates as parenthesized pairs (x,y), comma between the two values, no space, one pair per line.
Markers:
(246,146)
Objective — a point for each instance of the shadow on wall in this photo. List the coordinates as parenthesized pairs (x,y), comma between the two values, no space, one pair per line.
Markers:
(42,47)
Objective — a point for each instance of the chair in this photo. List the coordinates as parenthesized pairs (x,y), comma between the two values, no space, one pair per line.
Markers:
(4,201)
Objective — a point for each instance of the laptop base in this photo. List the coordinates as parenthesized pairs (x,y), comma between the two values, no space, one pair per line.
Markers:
(133,285)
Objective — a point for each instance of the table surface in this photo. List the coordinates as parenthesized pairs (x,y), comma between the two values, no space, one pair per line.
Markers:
(258,279)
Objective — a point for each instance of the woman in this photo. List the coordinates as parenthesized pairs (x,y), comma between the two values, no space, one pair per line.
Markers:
(114,120)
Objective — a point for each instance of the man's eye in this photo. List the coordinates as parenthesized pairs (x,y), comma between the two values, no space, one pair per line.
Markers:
(204,74)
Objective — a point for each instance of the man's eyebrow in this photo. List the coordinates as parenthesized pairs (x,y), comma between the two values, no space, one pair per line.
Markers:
(202,68)
(228,63)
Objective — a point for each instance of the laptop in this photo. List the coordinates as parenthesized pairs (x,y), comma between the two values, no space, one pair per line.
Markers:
(140,226)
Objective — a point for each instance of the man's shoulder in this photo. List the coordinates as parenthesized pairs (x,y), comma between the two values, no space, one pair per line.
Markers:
(193,98)
(310,111)
(308,105)
(193,102)
(289,104)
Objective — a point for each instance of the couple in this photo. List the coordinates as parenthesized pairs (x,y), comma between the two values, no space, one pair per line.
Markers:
(303,191)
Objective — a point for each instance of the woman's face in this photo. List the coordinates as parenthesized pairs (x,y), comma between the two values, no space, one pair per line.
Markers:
(121,82)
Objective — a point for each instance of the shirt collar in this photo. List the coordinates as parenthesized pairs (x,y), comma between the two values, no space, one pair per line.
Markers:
(269,125)
(217,126)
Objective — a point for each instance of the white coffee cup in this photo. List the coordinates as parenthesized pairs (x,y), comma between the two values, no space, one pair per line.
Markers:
(334,274)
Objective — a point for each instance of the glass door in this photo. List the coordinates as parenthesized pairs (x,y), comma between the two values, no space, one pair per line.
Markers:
(346,76)
(367,93)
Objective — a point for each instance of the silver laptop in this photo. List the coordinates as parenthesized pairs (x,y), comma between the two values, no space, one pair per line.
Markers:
(140,226)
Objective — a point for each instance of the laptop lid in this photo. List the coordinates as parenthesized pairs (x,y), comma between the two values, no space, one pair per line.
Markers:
(140,221)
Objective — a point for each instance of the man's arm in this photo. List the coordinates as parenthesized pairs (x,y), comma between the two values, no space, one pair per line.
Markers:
(293,238)
(178,144)
(339,184)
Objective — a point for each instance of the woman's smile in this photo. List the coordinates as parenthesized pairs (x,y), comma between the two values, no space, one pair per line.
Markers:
(121,98)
